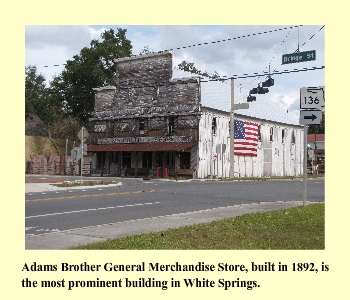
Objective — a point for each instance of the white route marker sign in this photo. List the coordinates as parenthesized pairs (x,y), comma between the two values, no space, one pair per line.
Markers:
(312,97)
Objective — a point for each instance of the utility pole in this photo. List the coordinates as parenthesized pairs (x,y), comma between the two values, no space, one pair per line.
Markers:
(232,130)
(232,126)
(305,164)
(82,154)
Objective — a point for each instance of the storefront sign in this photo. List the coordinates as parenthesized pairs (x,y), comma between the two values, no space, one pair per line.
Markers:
(148,139)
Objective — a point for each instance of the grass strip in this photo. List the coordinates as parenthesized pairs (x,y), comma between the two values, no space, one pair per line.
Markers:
(293,228)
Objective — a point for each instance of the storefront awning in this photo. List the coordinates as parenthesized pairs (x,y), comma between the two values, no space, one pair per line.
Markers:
(142,147)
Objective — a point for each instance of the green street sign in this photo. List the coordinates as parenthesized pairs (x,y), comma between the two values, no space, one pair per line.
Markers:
(298,57)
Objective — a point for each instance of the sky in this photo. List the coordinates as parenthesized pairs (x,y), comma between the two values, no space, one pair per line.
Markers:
(230,50)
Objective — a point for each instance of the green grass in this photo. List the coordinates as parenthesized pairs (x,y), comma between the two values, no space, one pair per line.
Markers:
(294,228)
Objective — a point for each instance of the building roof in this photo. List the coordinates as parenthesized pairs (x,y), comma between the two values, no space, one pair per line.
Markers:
(142,147)
(217,95)
(142,56)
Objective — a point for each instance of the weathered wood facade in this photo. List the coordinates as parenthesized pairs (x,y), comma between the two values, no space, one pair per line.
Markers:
(149,123)
(152,125)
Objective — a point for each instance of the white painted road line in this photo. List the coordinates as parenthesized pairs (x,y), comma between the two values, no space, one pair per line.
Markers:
(88,210)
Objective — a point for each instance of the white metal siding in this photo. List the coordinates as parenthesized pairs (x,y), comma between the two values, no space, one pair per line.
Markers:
(274,158)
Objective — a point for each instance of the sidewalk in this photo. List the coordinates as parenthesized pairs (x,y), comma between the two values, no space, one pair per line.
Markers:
(47,187)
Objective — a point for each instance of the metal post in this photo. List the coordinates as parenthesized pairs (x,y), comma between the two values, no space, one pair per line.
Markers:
(217,166)
(222,164)
(65,159)
(82,155)
(305,163)
(232,132)
(73,159)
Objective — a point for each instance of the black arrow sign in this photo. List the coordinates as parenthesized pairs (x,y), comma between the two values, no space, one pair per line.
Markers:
(312,117)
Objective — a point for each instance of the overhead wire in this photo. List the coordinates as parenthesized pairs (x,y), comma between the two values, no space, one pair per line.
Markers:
(295,50)
(187,80)
(310,38)
(201,44)
(225,78)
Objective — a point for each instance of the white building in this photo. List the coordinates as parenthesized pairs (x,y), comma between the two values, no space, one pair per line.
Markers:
(279,150)
(153,125)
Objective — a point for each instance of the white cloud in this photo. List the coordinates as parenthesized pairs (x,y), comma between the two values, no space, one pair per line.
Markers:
(243,54)
(72,38)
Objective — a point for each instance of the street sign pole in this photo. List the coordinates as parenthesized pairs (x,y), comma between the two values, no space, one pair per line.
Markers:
(82,135)
(312,101)
(65,159)
(305,163)
(232,131)
(81,159)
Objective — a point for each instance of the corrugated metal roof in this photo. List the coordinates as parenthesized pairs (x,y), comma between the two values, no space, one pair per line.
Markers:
(142,147)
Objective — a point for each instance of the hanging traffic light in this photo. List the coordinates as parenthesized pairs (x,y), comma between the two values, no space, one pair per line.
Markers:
(251,98)
(253,91)
(262,90)
(269,82)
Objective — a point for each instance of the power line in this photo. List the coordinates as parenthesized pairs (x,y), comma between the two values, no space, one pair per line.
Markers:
(310,38)
(205,43)
(235,38)
(295,50)
(186,80)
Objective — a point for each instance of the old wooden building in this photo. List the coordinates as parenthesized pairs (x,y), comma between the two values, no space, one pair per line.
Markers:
(152,125)
(268,148)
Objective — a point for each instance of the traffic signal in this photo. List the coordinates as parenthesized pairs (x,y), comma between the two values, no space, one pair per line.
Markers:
(269,82)
(251,98)
(253,91)
(262,90)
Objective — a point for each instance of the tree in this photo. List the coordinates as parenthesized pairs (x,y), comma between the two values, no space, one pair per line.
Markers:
(44,115)
(146,50)
(318,128)
(92,67)
(189,67)
(34,88)
(40,104)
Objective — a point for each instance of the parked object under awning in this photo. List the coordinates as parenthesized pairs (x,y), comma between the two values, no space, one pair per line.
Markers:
(143,147)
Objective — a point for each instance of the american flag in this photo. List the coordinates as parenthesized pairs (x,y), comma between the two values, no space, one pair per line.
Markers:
(246,138)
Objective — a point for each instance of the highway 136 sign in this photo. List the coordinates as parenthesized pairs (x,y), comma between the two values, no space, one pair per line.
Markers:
(312,97)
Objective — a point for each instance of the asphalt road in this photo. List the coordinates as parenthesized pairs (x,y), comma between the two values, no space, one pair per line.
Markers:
(137,199)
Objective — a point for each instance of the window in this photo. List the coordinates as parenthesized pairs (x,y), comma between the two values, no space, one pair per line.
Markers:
(213,126)
(146,159)
(185,160)
(142,126)
(110,128)
(171,125)
(155,92)
(293,137)
(100,158)
(271,134)
(126,160)
(169,159)
(259,133)
(283,136)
